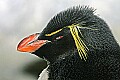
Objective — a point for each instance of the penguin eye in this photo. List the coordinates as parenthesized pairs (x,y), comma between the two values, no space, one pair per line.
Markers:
(59,37)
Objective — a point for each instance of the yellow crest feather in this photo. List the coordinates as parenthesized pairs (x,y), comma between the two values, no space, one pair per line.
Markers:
(53,33)
(81,47)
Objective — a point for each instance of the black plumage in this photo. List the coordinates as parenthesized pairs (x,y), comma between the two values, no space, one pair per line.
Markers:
(103,56)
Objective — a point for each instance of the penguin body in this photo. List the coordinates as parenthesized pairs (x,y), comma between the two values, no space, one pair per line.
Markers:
(105,67)
(78,45)
(44,74)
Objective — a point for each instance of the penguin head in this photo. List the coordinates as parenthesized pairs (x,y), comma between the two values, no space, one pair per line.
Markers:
(76,29)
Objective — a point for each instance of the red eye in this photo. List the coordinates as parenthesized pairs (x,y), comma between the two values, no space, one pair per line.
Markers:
(59,37)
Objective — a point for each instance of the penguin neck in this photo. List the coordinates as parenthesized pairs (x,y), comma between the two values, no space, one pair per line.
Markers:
(63,65)
(74,67)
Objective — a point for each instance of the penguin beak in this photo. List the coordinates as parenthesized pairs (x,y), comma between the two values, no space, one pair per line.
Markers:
(31,43)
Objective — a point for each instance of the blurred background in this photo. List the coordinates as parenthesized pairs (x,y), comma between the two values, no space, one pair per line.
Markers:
(20,18)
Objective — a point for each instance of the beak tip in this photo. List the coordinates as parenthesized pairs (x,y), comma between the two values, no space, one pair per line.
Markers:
(19,48)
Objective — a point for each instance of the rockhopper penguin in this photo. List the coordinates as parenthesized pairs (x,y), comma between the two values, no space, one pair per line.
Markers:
(78,46)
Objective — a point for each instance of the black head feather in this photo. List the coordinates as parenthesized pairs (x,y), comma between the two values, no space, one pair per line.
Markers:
(94,32)
(74,15)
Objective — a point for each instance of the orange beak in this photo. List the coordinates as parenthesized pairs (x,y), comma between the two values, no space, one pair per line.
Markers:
(31,43)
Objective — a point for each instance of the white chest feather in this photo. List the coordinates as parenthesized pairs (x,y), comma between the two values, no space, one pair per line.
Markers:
(44,74)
